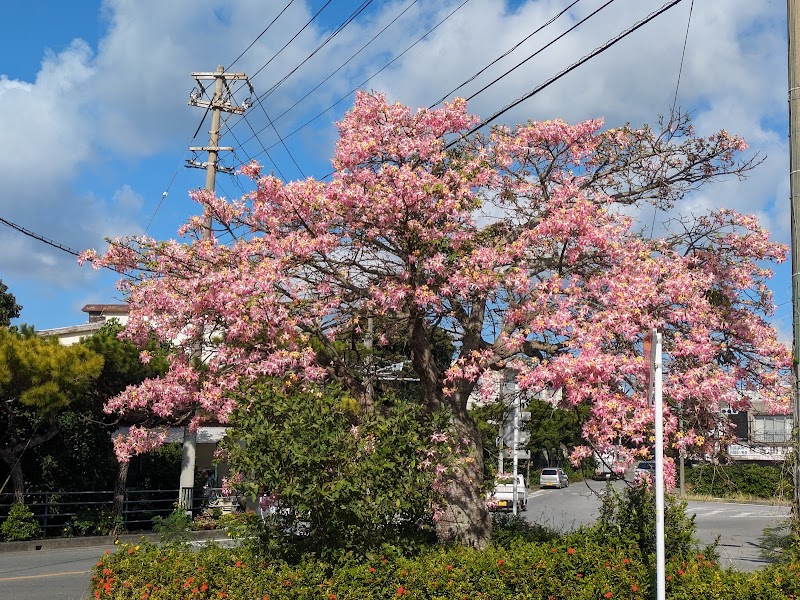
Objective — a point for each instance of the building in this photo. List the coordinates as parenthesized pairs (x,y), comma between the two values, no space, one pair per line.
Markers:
(99,315)
(764,437)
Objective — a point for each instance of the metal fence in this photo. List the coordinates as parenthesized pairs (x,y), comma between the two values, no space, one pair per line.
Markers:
(92,513)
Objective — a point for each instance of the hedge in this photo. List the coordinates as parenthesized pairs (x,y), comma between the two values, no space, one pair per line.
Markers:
(571,568)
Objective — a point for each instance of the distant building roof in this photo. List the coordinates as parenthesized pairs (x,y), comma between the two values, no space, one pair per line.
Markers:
(100,312)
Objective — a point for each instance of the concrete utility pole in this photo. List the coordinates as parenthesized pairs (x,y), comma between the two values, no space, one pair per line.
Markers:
(794,188)
(219,103)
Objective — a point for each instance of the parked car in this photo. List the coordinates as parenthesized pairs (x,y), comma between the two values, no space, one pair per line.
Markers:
(553,477)
(502,497)
(645,467)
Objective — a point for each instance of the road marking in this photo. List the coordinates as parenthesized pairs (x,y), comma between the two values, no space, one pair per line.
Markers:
(21,577)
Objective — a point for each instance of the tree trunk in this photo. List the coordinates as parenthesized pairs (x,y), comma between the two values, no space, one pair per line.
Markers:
(119,498)
(465,518)
(17,476)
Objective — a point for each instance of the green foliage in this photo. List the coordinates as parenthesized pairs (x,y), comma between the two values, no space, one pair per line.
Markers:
(20,525)
(42,374)
(632,516)
(93,521)
(122,366)
(9,309)
(508,529)
(174,527)
(344,480)
(575,568)
(725,481)
(159,469)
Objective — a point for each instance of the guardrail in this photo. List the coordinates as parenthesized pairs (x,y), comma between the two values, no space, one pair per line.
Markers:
(78,513)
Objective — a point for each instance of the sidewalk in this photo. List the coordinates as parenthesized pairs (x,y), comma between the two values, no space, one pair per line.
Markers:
(106,540)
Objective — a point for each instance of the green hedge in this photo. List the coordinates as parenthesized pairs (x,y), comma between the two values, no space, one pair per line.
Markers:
(749,480)
(571,568)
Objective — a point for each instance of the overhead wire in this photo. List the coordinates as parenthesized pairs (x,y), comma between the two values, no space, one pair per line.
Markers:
(302,29)
(375,74)
(52,243)
(674,104)
(336,32)
(502,56)
(345,63)
(258,37)
(260,98)
(244,117)
(597,51)
(540,50)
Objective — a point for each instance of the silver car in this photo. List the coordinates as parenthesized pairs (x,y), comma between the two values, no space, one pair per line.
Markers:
(553,477)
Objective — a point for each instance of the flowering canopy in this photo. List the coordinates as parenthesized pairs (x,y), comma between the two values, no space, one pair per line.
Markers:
(517,244)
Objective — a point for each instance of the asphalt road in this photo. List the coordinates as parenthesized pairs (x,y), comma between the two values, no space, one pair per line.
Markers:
(64,574)
(48,574)
(737,527)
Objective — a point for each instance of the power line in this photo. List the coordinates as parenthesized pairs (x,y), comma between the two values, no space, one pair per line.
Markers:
(502,56)
(264,66)
(50,242)
(165,193)
(569,69)
(386,66)
(680,68)
(336,32)
(539,51)
(258,37)
(345,63)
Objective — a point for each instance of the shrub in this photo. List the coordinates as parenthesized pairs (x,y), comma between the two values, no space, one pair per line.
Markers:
(344,480)
(571,568)
(759,481)
(508,529)
(631,518)
(93,521)
(175,526)
(20,525)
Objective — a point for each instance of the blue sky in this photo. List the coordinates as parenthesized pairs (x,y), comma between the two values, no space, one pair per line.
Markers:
(97,122)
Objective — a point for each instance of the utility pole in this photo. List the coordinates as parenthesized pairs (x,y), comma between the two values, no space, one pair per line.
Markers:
(217,105)
(794,190)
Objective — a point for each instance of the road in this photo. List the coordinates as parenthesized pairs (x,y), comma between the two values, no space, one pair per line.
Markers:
(48,574)
(738,526)
(64,574)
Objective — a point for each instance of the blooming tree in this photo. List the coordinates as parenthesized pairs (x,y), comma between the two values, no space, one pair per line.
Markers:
(516,244)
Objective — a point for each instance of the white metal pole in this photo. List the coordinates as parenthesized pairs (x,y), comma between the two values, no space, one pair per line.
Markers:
(659,458)
(516,451)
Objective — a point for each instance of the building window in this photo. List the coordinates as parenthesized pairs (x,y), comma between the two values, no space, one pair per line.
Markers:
(772,429)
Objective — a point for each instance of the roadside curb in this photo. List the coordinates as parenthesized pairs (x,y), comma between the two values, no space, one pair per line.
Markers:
(99,541)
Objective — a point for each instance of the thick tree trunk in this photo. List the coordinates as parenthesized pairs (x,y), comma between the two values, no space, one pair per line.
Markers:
(119,498)
(465,518)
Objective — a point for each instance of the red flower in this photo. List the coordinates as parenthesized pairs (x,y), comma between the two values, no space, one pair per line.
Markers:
(626,561)
(204,587)
(608,595)
(372,569)
(634,588)
(580,575)
(401,591)
(449,567)
(570,550)
(500,563)
(681,572)
(331,596)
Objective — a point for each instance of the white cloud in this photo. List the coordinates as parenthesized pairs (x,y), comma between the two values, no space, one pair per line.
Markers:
(84,134)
